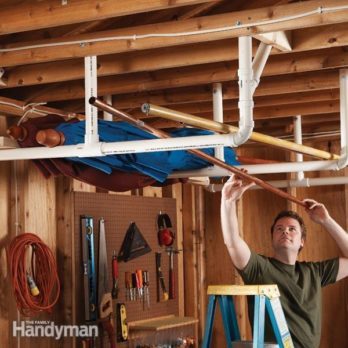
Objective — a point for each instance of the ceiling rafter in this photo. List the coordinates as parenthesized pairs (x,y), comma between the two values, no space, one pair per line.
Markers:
(46,14)
(125,84)
(148,60)
(201,24)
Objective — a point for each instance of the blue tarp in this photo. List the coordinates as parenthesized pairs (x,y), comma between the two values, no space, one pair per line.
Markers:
(157,165)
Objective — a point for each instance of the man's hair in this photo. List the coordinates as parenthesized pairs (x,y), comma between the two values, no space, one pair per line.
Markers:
(293,215)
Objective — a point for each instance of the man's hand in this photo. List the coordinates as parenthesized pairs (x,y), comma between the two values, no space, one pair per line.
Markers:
(316,211)
(235,187)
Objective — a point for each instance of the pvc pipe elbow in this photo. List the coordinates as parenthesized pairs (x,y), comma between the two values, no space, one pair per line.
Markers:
(242,135)
(342,162)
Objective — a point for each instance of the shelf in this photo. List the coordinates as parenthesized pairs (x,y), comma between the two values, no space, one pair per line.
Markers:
(161,323)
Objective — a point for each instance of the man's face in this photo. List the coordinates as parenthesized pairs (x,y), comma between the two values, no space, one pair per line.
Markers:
(287,234)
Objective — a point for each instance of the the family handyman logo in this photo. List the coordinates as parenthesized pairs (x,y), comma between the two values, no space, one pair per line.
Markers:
(50,329)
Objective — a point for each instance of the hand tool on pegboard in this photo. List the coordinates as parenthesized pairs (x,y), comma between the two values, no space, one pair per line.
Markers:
(122,326)
(104,294)
(133,245)
(165,235)
(128,285)
(171,252)
(135,287)
(89,274)
(160,280)
(146,282)
(114,264)
(140,284)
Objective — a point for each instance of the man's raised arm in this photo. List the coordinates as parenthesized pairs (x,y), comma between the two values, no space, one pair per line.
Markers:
(319,214)
(236,246)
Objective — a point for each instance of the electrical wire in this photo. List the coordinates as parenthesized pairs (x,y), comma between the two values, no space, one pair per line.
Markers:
(318,11)
(32,108)
(41,268)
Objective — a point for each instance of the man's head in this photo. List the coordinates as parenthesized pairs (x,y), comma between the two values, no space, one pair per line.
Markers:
(288,230)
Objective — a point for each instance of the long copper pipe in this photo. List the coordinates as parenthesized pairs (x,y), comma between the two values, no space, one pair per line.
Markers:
(160,111)
(161,134)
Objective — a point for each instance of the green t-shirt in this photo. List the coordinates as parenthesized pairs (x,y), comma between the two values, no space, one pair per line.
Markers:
(300,293)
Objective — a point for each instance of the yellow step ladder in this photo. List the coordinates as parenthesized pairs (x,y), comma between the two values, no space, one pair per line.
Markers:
(266,298)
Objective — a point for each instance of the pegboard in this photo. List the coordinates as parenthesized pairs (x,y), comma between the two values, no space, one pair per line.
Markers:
(119,211)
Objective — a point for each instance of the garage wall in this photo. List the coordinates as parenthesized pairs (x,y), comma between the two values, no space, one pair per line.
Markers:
(28,202)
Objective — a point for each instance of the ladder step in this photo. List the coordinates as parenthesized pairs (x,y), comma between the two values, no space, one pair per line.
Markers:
(245,344)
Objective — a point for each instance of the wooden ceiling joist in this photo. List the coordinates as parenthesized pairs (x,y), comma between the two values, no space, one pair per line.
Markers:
(206,106)
(202,24)
(276,85)
(150,60)
(123,85)
(45,14)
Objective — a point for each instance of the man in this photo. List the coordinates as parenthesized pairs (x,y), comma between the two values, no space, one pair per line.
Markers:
(299,282)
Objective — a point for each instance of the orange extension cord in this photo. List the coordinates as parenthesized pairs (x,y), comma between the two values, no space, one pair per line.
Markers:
(42,269)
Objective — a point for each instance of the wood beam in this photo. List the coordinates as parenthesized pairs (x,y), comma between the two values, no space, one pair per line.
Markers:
(303,109)
(198,54)
(200,10)
(47,14)
(270,85)
(277,85)
(8,307)
(278,39)
(333,35)
(44,54)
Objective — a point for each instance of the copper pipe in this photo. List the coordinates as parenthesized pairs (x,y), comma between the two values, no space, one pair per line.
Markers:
(161,134)
(160,111)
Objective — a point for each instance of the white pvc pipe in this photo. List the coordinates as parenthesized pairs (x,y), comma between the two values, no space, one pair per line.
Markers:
(218,115)
(343,161)
(307,182)
(284,167)
(91,132)
(298,140)
(115,148)
(246,82)
(259,62)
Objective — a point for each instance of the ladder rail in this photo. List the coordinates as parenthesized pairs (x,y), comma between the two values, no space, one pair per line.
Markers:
(209,321)
(259,321)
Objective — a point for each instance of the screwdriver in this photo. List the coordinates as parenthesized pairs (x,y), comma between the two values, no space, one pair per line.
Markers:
(134,286)
(128,283)
(146,288)
(139,274)
(114,292)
